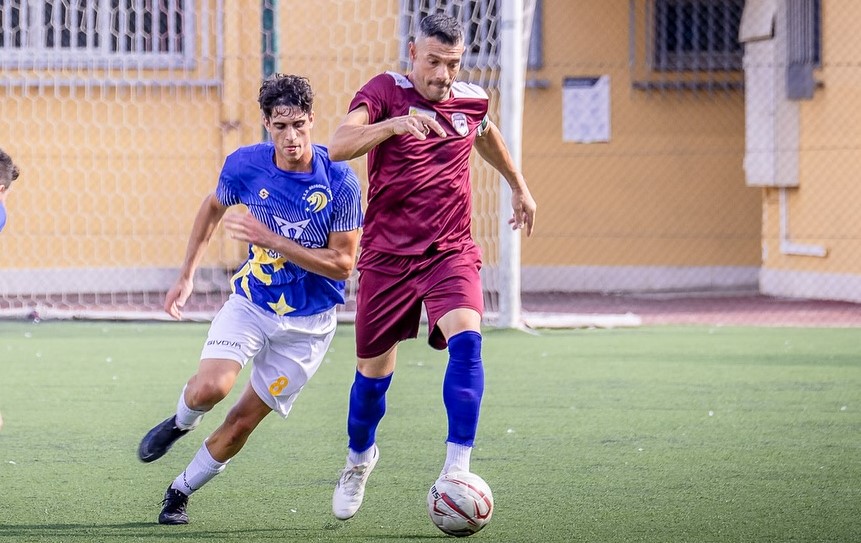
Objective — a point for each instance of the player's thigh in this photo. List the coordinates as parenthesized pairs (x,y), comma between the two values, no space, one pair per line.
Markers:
(236,335)
(458,320)
(388,310)
(454,283)
(291,357)
(238,332)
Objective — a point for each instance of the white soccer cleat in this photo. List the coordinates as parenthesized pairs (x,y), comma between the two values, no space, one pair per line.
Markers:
(350,490)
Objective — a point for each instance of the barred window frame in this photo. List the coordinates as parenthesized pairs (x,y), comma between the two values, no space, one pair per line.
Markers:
(696,35)
(73,33)
(804,47)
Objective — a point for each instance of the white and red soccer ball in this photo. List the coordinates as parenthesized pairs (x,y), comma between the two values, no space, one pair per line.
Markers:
(460,503)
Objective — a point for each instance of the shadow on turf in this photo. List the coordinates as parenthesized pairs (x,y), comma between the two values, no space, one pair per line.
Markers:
(149,530)
(86,532)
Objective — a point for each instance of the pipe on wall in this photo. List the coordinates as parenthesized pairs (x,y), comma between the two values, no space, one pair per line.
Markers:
(789,247)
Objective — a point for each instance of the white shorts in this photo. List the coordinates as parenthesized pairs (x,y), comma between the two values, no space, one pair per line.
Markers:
(286,350)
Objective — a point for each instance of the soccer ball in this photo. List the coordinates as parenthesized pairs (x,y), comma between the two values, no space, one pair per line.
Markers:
(460,503)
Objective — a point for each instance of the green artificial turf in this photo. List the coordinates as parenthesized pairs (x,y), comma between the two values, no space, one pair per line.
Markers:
(656,434)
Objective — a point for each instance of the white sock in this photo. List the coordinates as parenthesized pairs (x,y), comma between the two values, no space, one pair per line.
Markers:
(186,418)
(456,457)
(360,458)
(200,471)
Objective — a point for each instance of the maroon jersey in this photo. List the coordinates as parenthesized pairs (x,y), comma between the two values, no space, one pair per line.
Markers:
(419,195)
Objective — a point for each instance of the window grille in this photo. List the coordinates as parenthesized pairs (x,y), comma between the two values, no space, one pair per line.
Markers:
(109,33)
(804,44)
(698,35)
(685,44)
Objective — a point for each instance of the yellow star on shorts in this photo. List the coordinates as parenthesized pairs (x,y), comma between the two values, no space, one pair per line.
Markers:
(281,308)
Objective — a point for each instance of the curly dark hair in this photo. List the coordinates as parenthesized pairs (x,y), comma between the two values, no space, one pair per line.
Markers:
(445,28)
(284,90)
(8,170)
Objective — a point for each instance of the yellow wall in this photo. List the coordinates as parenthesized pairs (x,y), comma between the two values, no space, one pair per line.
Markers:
(823,210)
(101,174)
(667,190)
(112,174)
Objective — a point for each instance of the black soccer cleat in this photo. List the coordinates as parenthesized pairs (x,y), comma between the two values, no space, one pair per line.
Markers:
(159,440)
(173,507)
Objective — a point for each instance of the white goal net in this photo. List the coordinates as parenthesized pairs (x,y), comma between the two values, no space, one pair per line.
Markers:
(119,114)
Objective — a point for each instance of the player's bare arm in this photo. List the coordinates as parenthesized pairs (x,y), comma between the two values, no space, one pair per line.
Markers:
(491,146)
(208,216)
(355,137)
(335,261)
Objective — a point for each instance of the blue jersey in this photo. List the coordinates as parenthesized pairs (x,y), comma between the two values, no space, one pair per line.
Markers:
(302,206)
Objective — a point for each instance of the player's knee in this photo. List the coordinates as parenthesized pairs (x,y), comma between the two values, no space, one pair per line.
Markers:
(465,346)
(205,393)
(370,388)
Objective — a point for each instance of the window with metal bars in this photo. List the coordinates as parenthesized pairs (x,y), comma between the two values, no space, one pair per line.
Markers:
(697,35)
(47,33)
(804,47)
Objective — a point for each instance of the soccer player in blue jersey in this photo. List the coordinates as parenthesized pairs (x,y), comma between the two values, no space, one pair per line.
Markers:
(304,214)
(8,173)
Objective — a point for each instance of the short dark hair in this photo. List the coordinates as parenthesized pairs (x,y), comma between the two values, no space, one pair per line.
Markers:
(8,170)
(445,28)
(283,90)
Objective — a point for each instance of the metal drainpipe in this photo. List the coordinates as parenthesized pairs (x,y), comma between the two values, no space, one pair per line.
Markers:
(787,246)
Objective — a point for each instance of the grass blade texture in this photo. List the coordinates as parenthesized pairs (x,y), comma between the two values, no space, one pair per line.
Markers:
(654,434)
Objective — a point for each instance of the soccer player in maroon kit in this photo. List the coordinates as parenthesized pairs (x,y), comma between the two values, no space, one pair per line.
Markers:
(418,131)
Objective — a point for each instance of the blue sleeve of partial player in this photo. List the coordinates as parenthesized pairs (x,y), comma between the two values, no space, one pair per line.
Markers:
(2,216)
(348,200)
(227,191)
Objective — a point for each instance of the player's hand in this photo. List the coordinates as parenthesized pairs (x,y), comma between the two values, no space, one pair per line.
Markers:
(245,227)
(419,125)
(524,210)
(177,296)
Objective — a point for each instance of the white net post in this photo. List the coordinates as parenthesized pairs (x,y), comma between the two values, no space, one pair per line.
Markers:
(511,83)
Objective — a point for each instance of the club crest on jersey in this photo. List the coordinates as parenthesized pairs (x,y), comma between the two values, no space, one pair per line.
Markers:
(417,110)
(263,194)
(317,201)
(458,121)
(317,197)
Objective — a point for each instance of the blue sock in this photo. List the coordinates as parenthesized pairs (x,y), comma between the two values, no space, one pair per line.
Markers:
(367,407)
(463,387)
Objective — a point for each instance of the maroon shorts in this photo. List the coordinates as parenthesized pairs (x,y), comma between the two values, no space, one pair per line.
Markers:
(393,287)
